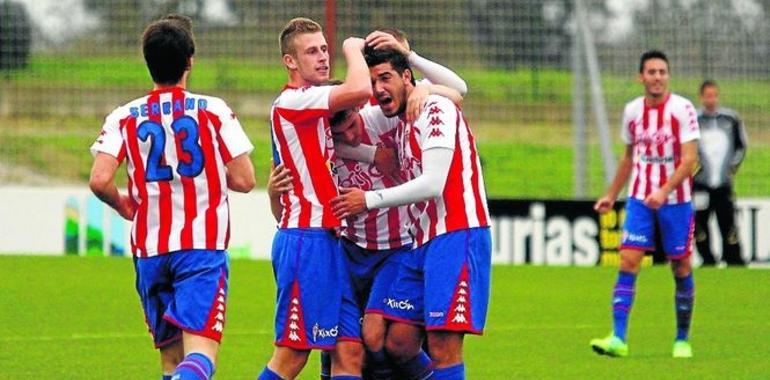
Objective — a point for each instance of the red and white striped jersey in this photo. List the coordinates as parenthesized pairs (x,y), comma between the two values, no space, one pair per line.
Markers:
(377,229)
(302,140)
(463,202)
(657,134)
(177,144)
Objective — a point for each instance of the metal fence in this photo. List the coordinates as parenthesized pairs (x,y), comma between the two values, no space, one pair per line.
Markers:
(64,64)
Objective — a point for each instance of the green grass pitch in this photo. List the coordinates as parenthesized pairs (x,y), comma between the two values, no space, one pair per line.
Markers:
(79,318)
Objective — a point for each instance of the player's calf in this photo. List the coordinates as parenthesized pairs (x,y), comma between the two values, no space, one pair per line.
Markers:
(286,363)
(170,357)
(373,331)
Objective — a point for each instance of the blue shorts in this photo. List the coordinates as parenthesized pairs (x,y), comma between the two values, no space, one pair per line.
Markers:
(676,228)
(183,291)
(311,280)
(371,273)
(444,284)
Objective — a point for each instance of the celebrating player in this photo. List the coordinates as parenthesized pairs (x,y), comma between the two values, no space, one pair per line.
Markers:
(661,132)
(308,266)
(183,151)
(374,242)
(443,284)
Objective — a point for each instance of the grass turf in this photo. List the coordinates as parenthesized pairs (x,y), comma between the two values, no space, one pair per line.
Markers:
(79,318)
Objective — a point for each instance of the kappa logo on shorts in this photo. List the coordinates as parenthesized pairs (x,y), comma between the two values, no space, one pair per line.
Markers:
(220,316)
(459,311)
(396,304)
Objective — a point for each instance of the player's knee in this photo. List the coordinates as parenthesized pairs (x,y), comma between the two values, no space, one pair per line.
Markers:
(288,362)
(445,348)
(400,347)
(681,267)
(373,333)
(347,357)
(630,263)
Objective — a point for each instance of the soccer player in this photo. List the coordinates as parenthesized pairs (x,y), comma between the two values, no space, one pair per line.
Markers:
(443,285)
(721,148)
(183,151)
(307,262)
(660,130)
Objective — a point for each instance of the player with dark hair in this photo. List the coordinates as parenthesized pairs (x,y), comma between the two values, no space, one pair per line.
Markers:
(722,148)
(660,130)
(443,285)
(314,308)
(183,150)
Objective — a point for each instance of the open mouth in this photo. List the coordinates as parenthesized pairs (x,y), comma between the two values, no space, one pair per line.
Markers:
(384,100)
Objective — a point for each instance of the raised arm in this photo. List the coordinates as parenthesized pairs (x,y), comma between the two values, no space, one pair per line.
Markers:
(434,72)
(357,88)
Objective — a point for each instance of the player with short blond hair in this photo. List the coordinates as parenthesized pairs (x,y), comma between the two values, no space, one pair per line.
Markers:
(312,309)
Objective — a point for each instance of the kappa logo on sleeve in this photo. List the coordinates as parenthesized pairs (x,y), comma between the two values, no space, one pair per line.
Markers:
(435,133)
(435,120)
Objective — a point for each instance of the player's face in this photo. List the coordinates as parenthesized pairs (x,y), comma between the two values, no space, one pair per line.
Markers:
(348,129)
(654,77)
(311,57)
(710,97)
(389,88)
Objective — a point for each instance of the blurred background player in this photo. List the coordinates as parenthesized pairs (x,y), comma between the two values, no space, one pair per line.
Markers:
(183,151)
(307,263)
(660,130)
(721,148)
(450,265)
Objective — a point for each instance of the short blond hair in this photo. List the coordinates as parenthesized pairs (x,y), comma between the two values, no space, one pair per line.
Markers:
(293,28)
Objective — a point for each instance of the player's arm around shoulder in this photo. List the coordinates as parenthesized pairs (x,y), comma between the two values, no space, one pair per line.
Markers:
(357,88)
(437,123)
(419,97)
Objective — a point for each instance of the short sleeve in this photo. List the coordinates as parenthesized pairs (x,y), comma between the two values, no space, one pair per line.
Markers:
(110,139)
(688,122)
(303,98)
(437,124)
(231,134)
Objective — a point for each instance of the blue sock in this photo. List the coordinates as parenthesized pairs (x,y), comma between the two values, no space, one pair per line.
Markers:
(195,366)
(346,377)
(419,367)
(622,299)
(166,377)
(326,365)
(268,374)
(685,294)
(455,372)
(378,366)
